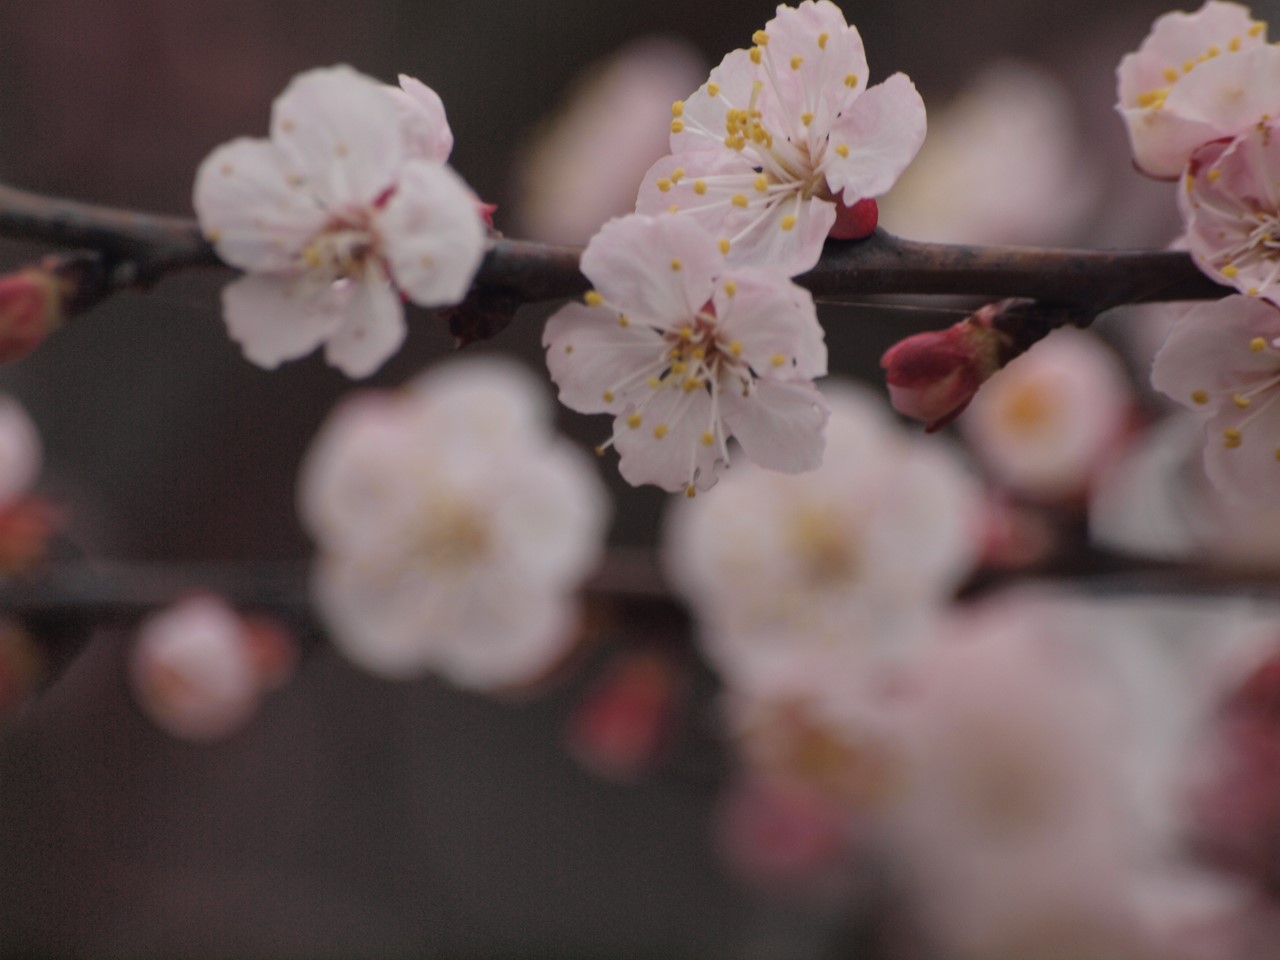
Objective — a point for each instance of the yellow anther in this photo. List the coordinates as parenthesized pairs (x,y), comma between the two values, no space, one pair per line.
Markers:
(1257,344)
(660,431)
(653,383)
(686,333)
(806,118)
(1212,52)
(700,187)
(600,450)
(1170,75)
(679,367)
(822,40)
(754,54)
(735,348)
(796,61)
(778,359)
(713,89)
(691,491)
(1256,29)
(1153,98)
(1231,438)
(850,80)
(708,438)
(607,396)
(691,384)
(664,184)
(677,174)
(677,108)
(842,149)
(1253,291)
(1241,402)
(213,235)
(1230,270)
(740,200)
(1234,45)
(634,421)
(761,183)
(1188,66)
(677,126)
(1213,175)
(675,264)
(788,221)
(568,348)
(1200,396)
(699,353)
(730,288)
(725,245)
(760,38)
(674,208)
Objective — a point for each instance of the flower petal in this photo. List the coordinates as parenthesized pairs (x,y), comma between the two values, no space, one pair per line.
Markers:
(433,234)
(1250,468)
(277,318)
(422,120)
(342,129)
(883,129)
(590,356)
(1210,349)
(253,205)
(372,329)
(666,446)
(770,317)
(780,424)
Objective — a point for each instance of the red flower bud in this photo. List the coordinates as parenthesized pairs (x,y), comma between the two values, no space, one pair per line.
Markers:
(30,307)
(932,376)
(855,222)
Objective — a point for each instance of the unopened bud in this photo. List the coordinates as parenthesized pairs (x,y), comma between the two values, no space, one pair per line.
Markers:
(855,222)
(30,307)
(932,376)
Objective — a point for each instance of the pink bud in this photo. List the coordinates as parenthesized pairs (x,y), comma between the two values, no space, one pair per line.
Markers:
(855,222)
(30,307)
(932,376)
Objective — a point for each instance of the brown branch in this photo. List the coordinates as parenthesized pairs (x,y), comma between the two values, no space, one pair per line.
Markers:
(137,249)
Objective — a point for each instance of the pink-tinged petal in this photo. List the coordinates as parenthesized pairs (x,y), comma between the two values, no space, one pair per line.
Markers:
(1162,140)
(341,129)
(591,356)
(814,53)
(666,446)
(698,184)
(883,130)
(278,318)
(21,454)
(770,317)
(372,329)
(787,237)
(655,270)
(422,120)
(254,205)
(434,237)
(1247,466)
(1211,349)
(780,424)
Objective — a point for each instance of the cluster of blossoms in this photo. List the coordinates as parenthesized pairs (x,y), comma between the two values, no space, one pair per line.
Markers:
(693,333)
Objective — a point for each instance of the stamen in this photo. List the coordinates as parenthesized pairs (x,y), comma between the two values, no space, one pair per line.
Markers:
(634,421)
(713,89)
(1231,438)
(1200,396)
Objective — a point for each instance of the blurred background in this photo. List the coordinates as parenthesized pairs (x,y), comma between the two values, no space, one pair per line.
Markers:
(354,817)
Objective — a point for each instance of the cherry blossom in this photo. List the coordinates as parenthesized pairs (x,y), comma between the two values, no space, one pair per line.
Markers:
(453,527)
(686,353)
(1196,78)
(1223,360)
(780,144)
(342,210)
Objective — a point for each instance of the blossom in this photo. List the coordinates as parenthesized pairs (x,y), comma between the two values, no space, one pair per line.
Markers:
(782,137)
(1045,423)
(1196,78)
(31,307)
(334,217)
(1223,359)
(452,526)
(686,353)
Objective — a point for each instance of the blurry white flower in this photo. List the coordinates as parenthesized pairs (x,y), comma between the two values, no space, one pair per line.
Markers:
(20,451)
(583,168)
(192,670)
(335,216)
(824,573)
(452,527)
(1001,165)
(1048,421)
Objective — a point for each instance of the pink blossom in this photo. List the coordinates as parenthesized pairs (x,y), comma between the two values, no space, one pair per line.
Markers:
(686,353)
(334,217)
(453,528)
(781,135)
(21,452)
(422,121)
(1223,360)
(31,307)
(1047,422)
(1196,78)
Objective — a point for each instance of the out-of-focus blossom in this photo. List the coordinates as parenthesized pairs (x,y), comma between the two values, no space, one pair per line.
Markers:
(192,671)
(623,725)
(1048,421)
(822,575)
(686,353)
(20,451)
(781,136)
(452,527)
(1002,164)
(583,168)
(27,522)
(1223,360)
(1231,206)
(423,123)
(1196,78)
(31,305)
(933,376)
(334,217)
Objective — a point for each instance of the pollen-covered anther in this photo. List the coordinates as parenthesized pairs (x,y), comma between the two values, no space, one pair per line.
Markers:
(592,298)
(740,200)
(761,183)
(1231,437)
(677,108)
(634,421)
(730,288)
(1257,28)
(806,118)
(664,184)
(760,38)
(1230,271)
(677,174)
(660,431)
(850,80)
(700,187)
(677,126)
(725,245)
(607,396)
(778,359)
(1200,396)
(1213,175)
(735,348)
(675,264)
(822,40)
(796,62)
(713,89)
(708,438)
(842,149)
(623,321)
(788,222)
(691,491)
(1241,402)
(755,55)
(1257,344)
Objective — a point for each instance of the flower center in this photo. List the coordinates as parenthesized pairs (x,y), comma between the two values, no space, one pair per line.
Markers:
(453,535)
(342,250)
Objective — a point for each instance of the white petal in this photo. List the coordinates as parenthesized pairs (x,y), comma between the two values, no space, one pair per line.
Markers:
(817,85)
(1209,349)
(780,425)
(588,353)
(342,129)
(666,448)
(20,451)
(372,328)
(422,118)
(770,316)
(433,234)
(278,318)
(1251,470)
(254,205)
(883,130)
(791,251)
(654,270)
